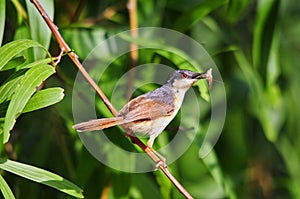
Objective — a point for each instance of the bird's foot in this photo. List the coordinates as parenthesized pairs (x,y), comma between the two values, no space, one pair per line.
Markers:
(161,163)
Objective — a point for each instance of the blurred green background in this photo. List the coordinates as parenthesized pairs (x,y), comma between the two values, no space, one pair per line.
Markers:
(255,45)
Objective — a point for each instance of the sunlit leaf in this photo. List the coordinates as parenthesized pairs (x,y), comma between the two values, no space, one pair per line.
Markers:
(6,191)
(10,50)
(15,62)
(44,98)
(36,63)
(32,78)
(41,176)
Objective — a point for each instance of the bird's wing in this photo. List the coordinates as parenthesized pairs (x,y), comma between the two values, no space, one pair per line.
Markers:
(142,108)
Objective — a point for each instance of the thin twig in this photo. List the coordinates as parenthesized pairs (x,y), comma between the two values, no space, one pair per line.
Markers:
(133,20)
(64,47)
(133,24)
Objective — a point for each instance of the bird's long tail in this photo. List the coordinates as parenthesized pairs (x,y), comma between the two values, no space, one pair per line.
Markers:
(98,124)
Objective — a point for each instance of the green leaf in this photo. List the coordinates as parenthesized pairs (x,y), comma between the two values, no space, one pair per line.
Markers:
(267,13)
(18,63)
(8,88)
(2,19)
(10,50)
(44,98)
(39,30)
(41,176)
(36,63)
(186,20)
(32,78)
(6,191)
(236,9)
(13,63)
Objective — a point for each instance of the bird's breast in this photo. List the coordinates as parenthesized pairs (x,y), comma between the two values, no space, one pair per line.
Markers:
(178,99)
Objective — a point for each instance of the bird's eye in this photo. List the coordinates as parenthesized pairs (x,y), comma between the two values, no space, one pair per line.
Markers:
(183,75)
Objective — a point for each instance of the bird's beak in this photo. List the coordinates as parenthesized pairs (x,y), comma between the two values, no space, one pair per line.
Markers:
(205,75)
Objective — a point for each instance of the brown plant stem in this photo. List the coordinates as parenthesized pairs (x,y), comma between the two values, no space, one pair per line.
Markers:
(133,24)
(65,48)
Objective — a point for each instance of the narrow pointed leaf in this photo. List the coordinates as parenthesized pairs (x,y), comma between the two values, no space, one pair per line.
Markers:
(6,191)
(41,176)
(14,63)
(44,98)
(36,63)
(32,78)
(10,50)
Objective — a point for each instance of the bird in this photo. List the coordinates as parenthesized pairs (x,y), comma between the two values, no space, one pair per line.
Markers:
(150,113)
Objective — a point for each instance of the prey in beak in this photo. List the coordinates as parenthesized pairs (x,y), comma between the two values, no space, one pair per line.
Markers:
(205,75)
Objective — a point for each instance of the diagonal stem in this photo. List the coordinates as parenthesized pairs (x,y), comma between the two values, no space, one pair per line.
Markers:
(133,24)
(65,48)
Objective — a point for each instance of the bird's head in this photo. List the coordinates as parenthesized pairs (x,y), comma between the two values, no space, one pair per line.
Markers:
(184,79)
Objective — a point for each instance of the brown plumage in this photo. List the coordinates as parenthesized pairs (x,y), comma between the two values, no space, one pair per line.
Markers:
(151,112)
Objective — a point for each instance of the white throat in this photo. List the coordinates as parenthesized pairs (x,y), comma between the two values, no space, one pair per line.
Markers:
(181,87)
(179,94)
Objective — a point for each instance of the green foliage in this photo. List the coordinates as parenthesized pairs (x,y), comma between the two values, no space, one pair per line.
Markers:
(18,91)
(41,176)
(39,31)
(44,98)
(196,13)
(7,193)
(31,79)
(255,45)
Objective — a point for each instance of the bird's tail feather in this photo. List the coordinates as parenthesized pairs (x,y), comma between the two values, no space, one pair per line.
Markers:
(98,124)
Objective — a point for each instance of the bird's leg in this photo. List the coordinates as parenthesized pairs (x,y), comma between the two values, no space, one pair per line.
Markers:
(161,159)
(155,156)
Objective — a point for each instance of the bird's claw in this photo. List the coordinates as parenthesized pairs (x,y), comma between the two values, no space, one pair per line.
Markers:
(161,163)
